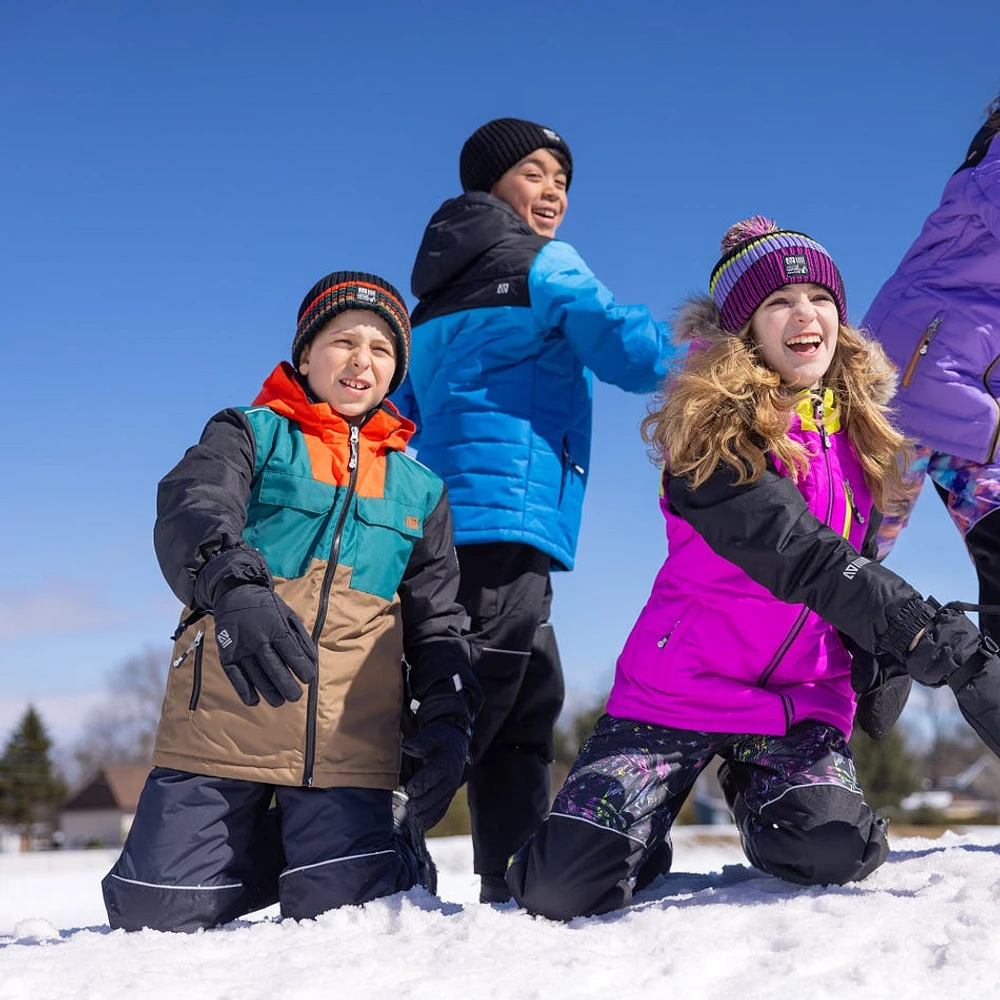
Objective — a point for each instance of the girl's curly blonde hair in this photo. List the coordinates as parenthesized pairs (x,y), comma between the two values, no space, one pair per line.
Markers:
(724,404)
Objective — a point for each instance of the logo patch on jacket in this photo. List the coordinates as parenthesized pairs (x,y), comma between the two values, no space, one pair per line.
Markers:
(413,523)
(854,565)
(225,639)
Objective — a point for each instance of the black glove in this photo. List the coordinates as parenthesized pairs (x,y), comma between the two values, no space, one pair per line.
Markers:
(443,747)
(882,689)
(950,651)
(262,643)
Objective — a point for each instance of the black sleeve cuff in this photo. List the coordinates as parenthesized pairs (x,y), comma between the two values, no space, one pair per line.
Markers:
(228,569)
(914,616)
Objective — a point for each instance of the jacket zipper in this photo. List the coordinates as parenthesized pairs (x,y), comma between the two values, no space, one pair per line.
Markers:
(922,345)
(991,452)
(661,642)
(195,646)
(324,601)
(819,413)
(858,516)
(568,467)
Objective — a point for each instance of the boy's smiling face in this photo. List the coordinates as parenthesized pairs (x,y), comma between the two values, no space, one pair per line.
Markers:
(535,188)
(350,362)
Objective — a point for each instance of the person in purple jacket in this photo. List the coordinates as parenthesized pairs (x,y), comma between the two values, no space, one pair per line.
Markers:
(938,318)
(779,456)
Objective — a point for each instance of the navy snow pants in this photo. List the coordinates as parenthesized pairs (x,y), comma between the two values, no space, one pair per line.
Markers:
(203,851)
(796,800)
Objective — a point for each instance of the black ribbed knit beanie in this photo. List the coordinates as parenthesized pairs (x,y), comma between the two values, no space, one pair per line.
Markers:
(496,146)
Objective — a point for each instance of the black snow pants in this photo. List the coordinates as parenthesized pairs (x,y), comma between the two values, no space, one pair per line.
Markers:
(507,592)
(796,800)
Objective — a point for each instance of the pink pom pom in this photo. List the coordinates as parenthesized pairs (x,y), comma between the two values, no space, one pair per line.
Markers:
(756,225)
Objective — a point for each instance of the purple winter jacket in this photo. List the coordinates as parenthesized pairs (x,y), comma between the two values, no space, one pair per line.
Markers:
(715,651)
(938,318)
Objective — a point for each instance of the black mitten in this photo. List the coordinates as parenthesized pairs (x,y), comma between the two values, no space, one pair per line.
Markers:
(442,745)
(949,651)
(262,644)
(882,704)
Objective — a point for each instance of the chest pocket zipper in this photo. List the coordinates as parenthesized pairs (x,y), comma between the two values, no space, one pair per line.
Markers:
(661,642)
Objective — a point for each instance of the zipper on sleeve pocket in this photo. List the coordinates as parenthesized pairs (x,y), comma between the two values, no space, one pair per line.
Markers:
(922,347)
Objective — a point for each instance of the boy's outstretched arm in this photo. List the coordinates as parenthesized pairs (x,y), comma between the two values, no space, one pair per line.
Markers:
(622,345)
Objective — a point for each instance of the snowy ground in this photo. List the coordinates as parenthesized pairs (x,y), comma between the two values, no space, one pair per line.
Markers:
(927,924)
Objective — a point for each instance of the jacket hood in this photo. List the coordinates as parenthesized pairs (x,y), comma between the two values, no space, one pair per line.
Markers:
(698,319)
(283,393)
(699,322)
(460,232)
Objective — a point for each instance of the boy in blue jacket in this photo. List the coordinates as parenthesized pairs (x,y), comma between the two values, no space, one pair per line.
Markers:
(510,327)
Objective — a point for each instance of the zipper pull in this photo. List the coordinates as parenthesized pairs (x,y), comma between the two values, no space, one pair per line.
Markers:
(662,642)
(195,643)
(568,459)
(858,516)
(819,414)
(352,462)
(928,333)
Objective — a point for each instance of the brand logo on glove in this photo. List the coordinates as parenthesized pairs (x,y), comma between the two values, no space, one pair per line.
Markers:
(225,639)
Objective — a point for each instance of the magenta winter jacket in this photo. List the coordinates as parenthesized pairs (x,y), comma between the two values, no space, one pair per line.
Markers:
(714,651)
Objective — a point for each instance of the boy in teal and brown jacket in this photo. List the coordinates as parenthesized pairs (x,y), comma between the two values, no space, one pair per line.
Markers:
(317,568)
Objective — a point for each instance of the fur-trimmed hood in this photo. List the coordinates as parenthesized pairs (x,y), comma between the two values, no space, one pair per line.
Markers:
(698,322)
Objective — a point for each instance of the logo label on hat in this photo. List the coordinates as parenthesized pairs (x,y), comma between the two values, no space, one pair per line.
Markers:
(366,296)
(796,266)
(553,136)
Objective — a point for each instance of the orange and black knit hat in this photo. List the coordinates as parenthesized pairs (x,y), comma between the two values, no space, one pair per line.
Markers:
(343,290)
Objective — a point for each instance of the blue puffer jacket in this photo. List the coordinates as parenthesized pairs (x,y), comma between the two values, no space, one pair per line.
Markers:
(509,327)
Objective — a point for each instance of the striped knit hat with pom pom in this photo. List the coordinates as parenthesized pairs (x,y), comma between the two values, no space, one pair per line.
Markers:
(758,258)
(343,290)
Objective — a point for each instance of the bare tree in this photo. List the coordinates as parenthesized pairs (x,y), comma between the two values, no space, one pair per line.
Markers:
(121,730)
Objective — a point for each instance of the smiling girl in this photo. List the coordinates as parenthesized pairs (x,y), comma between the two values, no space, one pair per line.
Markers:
(777,459)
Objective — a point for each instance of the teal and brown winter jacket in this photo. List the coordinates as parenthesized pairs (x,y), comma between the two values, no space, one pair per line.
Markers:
(358,540)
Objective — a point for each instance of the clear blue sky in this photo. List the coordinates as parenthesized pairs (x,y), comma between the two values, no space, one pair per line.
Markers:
(175,176)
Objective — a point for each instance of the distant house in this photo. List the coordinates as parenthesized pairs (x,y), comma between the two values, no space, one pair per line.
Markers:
(100,814)
(10,840)
(972,796)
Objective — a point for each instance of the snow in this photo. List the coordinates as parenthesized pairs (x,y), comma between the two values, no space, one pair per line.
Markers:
(926,924)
